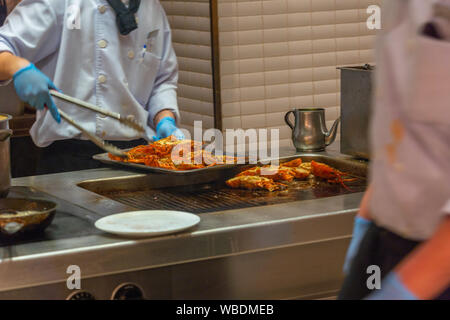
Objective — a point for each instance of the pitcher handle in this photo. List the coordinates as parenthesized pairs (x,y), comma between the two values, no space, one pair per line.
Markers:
(286,118)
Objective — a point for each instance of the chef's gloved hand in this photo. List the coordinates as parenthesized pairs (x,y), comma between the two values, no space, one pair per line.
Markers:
(392,288)
(167,127)
(33,87)
(360,228)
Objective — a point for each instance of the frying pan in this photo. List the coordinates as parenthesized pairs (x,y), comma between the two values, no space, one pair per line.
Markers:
(20,217)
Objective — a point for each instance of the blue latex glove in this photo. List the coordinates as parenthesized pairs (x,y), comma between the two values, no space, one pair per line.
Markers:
(392,288)
(33,87)
(359,230)
(167,127)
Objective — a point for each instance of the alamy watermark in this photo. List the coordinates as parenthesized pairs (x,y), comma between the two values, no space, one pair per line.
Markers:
(249,146)
(374,280)
(374,19)
(73,17)
(74,280)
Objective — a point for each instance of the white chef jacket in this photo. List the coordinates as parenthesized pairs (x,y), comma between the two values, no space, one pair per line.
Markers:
(411,124)
(96,63)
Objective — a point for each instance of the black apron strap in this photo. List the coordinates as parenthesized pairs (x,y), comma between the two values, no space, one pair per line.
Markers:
(3,11)
(60,156)
(126,20)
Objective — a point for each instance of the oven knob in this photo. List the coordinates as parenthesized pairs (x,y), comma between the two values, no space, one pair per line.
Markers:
(80,295)
(128,291)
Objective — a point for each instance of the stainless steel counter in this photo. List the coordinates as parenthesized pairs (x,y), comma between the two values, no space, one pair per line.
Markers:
(220,235)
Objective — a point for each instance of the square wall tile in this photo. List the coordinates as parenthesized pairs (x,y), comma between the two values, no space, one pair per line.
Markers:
(277,104)
(256,79)
(299,5)
(253,107)
(323,5)
(274,7)
(251,65)
(231,109)
(251,51)
(254,121)
(250,8)
(232,122)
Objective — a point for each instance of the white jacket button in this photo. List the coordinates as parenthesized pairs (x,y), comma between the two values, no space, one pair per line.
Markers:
(102,78)
(103,44)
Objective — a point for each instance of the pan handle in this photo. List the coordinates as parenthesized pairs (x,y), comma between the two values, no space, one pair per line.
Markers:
(5,134)
(12,228)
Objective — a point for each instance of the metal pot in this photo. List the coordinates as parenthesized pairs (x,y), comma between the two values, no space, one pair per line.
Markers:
(5,161)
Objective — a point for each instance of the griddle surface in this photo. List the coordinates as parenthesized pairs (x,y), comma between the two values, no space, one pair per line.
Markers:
(212,197)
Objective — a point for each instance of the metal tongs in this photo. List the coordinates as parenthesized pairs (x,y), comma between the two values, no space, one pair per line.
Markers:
(128,121)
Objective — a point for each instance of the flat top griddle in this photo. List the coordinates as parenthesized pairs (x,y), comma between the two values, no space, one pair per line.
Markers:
(213,197)
(194,195)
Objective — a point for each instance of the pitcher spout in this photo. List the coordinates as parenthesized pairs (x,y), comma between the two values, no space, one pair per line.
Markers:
(331,135)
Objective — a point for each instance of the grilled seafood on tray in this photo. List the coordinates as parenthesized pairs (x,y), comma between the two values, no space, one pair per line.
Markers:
(188,155)
(269,177)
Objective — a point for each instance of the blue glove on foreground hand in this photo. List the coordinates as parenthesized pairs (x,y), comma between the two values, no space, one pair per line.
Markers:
(392,288)
(33,87)
(167,127)
(359,230)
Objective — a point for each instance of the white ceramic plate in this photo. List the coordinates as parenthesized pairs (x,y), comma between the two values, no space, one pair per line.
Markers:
(139,224)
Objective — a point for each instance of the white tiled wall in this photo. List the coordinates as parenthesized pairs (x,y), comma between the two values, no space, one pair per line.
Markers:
(279,54)
(190,22)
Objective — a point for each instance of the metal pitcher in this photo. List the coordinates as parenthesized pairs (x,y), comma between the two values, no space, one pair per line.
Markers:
(5,162)
(310,131)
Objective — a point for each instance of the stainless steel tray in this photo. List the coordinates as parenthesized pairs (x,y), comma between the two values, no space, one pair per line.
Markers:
(103,157)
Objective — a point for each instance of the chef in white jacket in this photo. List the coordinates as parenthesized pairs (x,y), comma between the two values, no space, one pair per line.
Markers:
(115,54)
(404,223)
